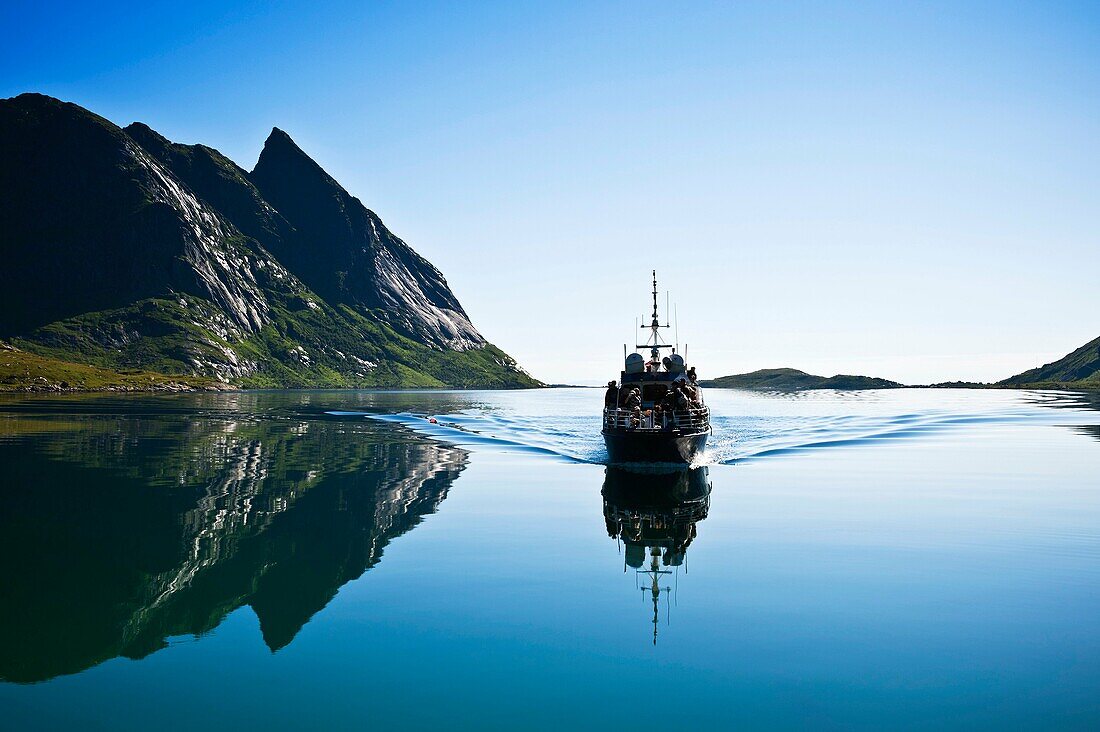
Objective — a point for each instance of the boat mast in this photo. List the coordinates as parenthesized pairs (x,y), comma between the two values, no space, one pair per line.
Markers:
(653,343)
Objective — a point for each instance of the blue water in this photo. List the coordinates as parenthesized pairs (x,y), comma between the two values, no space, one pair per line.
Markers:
(890,559)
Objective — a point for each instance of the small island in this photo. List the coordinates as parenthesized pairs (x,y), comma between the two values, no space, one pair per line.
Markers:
(787,379)
(1079,370)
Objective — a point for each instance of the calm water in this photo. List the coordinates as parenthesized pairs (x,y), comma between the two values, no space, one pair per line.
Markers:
(903,559)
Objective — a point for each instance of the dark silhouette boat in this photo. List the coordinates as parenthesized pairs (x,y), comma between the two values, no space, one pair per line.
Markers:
(655,414)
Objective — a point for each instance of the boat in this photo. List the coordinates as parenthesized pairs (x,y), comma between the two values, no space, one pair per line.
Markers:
(645,418)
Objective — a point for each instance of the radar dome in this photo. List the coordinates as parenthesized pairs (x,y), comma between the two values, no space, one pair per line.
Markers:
(674,363)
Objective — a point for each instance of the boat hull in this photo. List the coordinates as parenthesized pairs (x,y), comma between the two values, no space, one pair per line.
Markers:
(635,446)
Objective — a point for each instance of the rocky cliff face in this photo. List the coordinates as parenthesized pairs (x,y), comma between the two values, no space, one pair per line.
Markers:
(123,249)
(218,180)
(90,221)
(345,253)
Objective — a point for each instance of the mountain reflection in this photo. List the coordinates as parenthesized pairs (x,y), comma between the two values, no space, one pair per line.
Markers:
(1092,430)
(655,516)
(118,534)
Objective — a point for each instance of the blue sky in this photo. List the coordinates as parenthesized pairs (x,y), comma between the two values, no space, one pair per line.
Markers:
(907,190)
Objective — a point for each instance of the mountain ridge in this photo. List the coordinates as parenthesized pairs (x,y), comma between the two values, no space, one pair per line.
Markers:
(125,250)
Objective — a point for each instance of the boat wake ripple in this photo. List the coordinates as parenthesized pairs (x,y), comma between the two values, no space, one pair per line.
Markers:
(740,439)
(514,434)
(736,439)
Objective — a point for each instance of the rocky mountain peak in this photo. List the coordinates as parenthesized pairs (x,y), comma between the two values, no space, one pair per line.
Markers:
(146,136)
(282,156)
(343,251)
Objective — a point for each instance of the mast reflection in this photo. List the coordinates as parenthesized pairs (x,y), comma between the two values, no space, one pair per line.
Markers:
(655,516)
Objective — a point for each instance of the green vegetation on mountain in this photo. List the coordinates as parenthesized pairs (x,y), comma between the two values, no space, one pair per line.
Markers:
(22,371)
(1077,370)
(795,380)
(126,251)
(306,343)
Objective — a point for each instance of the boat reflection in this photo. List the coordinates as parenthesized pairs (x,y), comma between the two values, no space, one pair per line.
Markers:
(655,516)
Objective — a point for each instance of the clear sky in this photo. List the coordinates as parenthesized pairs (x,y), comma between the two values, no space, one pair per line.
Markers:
(906,190)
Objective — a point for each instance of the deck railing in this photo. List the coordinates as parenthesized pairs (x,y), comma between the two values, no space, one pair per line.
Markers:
(694,419)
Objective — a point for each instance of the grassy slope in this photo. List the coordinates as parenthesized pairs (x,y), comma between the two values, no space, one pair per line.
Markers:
(795,380)
(306,344)
(22,371)
(1077,370)
(1093,382)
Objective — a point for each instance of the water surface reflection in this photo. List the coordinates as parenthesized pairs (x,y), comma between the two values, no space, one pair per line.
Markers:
(655,516)
(116,535)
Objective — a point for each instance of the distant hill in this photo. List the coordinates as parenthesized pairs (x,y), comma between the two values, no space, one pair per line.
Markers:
(126,251)
(1080,369)
(795,380)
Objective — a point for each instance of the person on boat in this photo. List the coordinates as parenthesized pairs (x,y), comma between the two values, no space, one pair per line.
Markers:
(667,405)
(673,401)
(691,375)
(658,414)
(692,393)
(633,398)
(611,397)
(683,401)
(668,400)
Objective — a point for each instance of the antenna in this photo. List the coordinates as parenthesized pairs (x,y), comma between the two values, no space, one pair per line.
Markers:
(653,342)
(676,324)
(655,320)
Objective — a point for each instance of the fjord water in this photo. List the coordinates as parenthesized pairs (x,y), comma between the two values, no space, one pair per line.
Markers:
(306,560)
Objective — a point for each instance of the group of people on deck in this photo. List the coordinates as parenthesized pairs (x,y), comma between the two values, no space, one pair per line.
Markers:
(682,395)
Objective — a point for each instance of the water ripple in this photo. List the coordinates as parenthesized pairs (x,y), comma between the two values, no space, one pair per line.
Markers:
(748,427)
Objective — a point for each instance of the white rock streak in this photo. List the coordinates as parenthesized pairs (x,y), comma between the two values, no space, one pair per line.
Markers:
(399,289)
(222,269)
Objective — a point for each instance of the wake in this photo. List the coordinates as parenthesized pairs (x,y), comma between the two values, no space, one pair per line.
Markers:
(736,439)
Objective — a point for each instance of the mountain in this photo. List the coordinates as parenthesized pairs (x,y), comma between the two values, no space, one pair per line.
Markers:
(124,250)
(1079,369)
(346,254)
(795,380)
